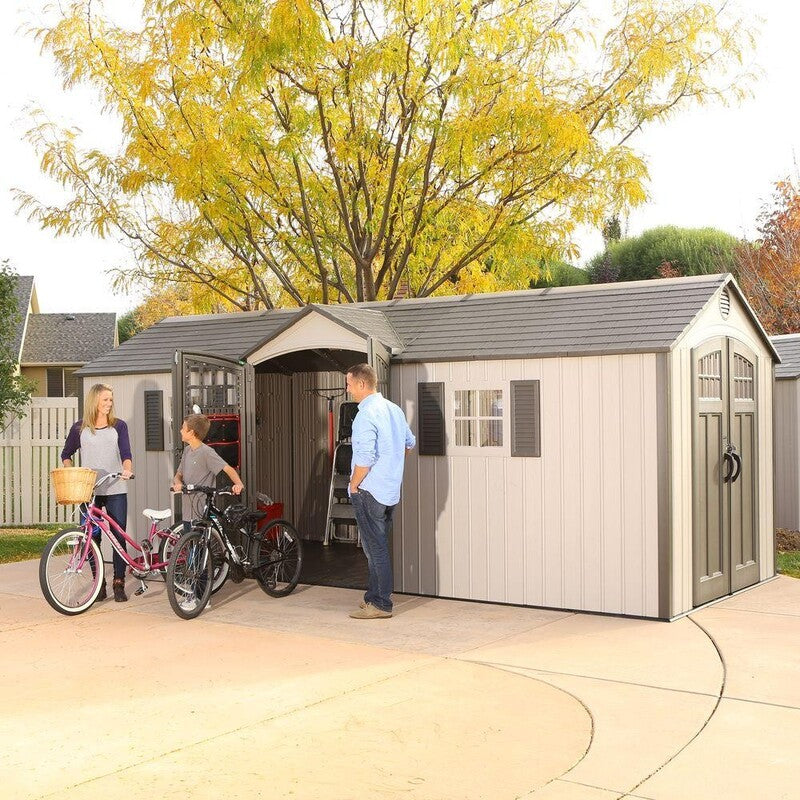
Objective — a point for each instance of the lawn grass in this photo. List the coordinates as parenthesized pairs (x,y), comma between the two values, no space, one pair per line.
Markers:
(789,563)
(20,544)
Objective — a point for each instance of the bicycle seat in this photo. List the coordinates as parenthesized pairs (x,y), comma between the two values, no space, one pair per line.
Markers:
(154,515)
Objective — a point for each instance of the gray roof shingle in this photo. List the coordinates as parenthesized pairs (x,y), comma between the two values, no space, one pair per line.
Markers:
(67,338)
(788,348)
(226,335)
(22,291)
(636,317)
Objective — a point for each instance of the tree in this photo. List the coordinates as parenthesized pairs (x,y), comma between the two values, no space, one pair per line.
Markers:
(15,391)
(287,151)
(666,251)
(768,269)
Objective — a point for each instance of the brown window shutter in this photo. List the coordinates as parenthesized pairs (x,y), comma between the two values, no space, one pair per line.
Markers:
(431,419)
(526,439)
(153,420)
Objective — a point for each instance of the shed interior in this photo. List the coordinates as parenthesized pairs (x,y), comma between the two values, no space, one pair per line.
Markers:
(294,394)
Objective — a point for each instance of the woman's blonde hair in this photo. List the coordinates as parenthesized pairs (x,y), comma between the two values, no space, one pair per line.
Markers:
(90,406)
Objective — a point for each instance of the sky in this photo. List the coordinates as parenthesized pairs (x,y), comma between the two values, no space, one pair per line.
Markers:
(713,166)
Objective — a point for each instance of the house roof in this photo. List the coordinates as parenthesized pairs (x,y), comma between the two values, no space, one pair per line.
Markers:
(67,338)
(22,291)
(788,347)
(634,317)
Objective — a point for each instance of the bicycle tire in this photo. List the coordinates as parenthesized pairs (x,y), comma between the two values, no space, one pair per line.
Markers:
(67,590)
(219,554)
(189,575)
(279,558)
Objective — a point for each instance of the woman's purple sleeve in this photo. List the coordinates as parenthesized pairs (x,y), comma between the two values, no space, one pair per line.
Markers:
(73,443)
(124,440)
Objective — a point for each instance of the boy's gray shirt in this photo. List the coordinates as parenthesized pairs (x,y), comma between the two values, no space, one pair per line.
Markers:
(200,467)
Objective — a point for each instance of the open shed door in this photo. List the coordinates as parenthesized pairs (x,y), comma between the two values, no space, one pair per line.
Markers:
(220,387)
(378,357)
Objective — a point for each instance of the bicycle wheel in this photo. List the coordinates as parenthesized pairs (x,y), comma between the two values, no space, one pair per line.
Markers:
(279,558)
(218,553)
(70,589)
(189,575)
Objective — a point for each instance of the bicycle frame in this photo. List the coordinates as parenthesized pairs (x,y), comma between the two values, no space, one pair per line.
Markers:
(93,515)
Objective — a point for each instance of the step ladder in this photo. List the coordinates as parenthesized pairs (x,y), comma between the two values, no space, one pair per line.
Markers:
(341,513)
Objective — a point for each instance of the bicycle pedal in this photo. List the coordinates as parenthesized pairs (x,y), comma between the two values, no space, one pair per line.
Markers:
(141,590)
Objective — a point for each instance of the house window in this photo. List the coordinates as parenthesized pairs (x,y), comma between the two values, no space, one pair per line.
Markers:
(62,382)
(478,417)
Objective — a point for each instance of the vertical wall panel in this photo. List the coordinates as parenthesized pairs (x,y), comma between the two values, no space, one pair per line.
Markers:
(787,451)
(591,461)
(549,530)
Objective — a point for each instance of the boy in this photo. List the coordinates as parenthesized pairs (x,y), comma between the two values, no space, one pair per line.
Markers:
(200,464)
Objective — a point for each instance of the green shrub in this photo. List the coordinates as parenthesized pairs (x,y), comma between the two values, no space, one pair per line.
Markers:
(663,252)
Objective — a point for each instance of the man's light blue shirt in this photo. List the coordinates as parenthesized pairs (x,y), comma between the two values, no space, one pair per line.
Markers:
(380,438)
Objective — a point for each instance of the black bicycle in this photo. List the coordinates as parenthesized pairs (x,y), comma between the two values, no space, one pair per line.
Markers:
(272,556)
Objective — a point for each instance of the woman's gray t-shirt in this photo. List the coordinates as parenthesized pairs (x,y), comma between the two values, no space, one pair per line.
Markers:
(103,449)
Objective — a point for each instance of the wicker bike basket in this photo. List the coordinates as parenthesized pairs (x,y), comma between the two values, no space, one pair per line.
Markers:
(73,484)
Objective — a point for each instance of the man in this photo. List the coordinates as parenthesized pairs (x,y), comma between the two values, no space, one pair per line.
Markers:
(381,437)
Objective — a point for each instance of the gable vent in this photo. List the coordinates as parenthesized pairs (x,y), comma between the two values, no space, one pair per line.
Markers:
(725,303)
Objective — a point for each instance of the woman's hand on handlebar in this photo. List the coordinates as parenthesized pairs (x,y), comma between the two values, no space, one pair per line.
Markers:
(177,486)
(237,488)
(126,474)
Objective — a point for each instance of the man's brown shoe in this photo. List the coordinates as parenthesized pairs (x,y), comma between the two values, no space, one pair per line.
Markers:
(369,611)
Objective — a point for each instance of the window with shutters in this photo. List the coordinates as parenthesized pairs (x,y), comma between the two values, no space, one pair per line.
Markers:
(478,418)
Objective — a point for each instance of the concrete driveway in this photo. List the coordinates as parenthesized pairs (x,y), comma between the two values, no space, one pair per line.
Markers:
(290,698)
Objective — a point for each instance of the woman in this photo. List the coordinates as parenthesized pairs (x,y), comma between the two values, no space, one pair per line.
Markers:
(105,447)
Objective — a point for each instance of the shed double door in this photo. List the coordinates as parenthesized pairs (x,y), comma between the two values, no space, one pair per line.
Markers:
(725,507)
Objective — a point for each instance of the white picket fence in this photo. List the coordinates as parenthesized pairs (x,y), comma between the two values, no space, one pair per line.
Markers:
(29,448)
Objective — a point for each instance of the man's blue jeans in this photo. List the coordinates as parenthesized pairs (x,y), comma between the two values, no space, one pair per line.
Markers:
(374,523)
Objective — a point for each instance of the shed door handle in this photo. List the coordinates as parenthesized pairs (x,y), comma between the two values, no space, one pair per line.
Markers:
(738,463)
(727,460)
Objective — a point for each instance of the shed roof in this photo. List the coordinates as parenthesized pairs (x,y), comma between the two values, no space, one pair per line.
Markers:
(634,317)
(788,347)
(67,338)
(23,288)
(226,335)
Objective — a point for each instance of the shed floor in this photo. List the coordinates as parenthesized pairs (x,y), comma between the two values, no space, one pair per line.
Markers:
(339,564)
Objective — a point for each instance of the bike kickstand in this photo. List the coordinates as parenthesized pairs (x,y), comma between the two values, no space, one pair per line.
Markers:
(141,590)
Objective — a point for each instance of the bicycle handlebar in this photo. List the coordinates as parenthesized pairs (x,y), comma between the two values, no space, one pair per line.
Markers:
(112,476)
(192,488)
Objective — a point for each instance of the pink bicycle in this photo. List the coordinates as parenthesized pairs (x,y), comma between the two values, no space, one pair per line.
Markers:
(71,568)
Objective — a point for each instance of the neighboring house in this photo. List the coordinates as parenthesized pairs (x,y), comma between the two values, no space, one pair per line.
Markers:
(603,448)
(51,347)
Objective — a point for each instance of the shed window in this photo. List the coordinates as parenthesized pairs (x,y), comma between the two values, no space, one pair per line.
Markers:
(743,374)
(478,417)
(709,376)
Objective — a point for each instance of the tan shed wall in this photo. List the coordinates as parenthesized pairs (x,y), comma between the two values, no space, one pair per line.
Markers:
(314,330)
(708,325)
(38,376)
(787,448)
(576,528)
(154,470)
